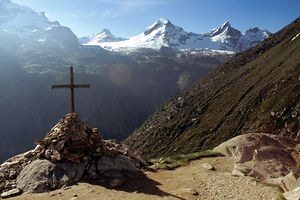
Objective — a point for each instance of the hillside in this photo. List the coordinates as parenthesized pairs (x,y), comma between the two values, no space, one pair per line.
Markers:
(257,90)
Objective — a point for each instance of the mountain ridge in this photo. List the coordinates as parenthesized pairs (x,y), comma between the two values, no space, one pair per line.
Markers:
(162,33)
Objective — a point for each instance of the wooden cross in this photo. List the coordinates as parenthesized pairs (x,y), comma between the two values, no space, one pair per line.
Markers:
(71,86)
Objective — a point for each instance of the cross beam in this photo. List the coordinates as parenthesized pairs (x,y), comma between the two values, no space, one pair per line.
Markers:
(71,86)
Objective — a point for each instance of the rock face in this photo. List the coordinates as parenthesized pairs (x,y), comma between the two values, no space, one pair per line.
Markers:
(70,152)
(263,156)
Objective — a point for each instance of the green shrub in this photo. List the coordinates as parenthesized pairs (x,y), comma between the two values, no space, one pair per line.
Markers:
(175,161)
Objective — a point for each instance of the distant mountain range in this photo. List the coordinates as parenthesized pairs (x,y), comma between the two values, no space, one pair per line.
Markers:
(27,24)
(165,34)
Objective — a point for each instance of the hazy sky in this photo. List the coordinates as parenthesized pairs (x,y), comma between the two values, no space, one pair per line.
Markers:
(127,18)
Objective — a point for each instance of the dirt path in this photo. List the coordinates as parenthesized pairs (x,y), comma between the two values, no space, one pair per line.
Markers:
(191,182)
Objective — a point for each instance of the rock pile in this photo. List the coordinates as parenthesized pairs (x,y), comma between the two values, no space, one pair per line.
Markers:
(71,139)
(71,151)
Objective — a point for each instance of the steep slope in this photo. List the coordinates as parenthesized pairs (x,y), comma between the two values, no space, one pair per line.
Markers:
(257,90)
(165,34)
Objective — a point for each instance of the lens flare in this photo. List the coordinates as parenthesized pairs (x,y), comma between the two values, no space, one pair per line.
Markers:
(120,74)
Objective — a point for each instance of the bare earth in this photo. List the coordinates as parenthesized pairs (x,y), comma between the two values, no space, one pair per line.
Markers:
(191,182)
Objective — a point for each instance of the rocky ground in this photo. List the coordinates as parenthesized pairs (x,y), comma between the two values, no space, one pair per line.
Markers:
(191,182)
(74,162)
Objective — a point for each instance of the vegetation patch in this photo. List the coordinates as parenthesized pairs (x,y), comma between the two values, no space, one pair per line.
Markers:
(175,161)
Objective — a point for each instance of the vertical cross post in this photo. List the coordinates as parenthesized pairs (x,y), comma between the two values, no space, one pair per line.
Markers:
(71,86)
(72,89)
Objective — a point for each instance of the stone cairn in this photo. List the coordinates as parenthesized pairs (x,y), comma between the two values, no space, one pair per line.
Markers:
(70,152)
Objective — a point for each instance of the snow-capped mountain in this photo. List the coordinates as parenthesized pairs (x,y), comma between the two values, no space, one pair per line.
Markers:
(21,20)
(251,37)
(165,34)
(103,36)
(225,36)
(26,24)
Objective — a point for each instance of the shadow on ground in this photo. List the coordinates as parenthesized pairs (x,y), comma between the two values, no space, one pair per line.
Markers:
(139,184)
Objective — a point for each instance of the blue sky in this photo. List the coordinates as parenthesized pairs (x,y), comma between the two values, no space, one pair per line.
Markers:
(127,18)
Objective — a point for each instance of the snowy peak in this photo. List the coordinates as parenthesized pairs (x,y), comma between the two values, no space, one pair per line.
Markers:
(162,21)
(161,25)
(163,29)
(22,20)
(103,36)
(256,32)
(223,29)
(105,33)
(251,37)
(24,23)
(226,35)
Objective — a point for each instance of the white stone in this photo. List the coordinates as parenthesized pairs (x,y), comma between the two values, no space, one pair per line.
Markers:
(208,166)
(194,192)
(236,172)
(290,182)
(28,154)
(38,148)
(10,193)
(292,195)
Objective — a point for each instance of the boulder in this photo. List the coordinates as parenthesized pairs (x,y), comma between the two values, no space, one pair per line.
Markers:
(236,172)
(292,195)
(262,156)
(10,193)
(208,166)
(44,175)
(117,166)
